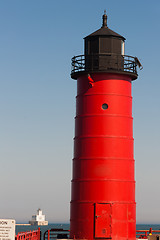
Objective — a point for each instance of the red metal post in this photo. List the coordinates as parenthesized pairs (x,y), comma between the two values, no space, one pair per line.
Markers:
(150,231)
(48,234)
(39,233)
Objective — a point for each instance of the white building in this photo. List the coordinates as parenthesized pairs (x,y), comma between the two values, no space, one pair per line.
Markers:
(38,219)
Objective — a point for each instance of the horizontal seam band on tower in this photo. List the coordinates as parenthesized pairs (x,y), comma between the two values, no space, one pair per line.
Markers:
(104,158)
(103,136)
(79,220)
(110,202)
(104,94)
(103,180)
(104,115)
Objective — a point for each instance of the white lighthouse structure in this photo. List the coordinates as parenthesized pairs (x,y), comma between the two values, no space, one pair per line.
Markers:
(38,219)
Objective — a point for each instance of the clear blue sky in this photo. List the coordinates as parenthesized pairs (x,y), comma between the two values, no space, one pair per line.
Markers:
(37,100)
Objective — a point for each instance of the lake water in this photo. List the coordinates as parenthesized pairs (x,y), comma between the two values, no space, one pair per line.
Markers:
(66,227)
(43,228)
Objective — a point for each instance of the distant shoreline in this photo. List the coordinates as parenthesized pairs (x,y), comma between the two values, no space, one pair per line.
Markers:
(23,224)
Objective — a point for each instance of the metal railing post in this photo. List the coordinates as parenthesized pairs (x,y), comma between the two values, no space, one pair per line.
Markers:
(150,231)
(39,233)
(48,234)
(74,64)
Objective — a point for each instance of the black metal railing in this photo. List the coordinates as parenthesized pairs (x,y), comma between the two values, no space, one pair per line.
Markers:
(56,233)
(103,63)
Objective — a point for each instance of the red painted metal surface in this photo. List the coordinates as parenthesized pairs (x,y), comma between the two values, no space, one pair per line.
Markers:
(34,235)
(103,166)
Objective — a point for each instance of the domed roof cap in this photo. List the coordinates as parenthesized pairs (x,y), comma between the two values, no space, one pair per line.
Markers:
(104,30)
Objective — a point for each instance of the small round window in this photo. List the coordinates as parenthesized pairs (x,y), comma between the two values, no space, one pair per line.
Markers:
(104,106)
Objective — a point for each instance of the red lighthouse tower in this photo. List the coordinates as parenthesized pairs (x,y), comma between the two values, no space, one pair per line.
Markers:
(103,183)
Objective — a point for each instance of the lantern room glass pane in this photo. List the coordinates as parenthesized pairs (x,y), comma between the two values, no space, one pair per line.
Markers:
(116,46)
(94,46)
(122,47)
(105,45)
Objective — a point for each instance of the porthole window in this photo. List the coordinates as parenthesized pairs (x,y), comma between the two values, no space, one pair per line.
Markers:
(104,106)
